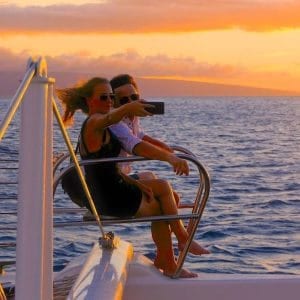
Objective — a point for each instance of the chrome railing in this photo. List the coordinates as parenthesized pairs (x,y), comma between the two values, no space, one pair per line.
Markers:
(197,207)
(17,99)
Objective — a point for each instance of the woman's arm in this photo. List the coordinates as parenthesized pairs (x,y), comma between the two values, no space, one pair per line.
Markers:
(97,122)
(136,108)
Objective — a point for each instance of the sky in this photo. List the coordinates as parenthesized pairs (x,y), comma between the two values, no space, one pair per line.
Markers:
(253,43)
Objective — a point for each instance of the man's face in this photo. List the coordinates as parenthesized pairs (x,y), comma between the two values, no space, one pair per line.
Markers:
(125,94)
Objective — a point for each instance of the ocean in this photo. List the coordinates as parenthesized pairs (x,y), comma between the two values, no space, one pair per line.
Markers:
(251,149)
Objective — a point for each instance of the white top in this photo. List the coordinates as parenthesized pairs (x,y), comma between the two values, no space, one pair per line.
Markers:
(129,137)
(135,126)
(125,136)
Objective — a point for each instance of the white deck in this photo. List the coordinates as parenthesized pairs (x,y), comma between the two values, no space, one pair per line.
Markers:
(120,275)
(144,283)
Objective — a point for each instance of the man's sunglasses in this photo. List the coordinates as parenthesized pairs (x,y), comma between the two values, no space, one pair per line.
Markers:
(126,99)
(106,97)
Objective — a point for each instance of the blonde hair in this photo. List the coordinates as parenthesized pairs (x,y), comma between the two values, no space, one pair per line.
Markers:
(75,98)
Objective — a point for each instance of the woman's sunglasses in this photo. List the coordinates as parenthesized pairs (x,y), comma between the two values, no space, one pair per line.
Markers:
(106,97)
(126,99)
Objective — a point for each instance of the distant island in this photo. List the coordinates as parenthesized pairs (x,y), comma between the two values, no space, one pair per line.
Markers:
(9,81)
(168,87)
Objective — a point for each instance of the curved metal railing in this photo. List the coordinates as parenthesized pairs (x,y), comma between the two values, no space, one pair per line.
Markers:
(194,217)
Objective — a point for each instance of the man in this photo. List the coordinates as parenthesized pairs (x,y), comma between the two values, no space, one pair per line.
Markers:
(126,90)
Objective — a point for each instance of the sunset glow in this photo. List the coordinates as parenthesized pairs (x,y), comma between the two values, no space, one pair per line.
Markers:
(251,43)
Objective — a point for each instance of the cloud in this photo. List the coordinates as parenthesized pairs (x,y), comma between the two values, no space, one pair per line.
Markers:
(130,61)
(151,16)
(141,66)
(68,70)
(12,62)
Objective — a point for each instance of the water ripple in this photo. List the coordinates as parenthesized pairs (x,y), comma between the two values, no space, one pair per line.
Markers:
(250,147)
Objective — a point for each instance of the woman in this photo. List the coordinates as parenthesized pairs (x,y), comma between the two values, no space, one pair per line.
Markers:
(113,192)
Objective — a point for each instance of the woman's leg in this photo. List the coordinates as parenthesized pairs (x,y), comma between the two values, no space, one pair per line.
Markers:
(165,259)
(163,192)
(161,235)
(147,175)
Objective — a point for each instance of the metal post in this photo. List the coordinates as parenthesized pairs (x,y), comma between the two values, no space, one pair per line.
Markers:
(35,218)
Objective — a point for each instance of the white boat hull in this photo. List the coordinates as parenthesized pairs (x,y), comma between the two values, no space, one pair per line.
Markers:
(147,285)
(119,274)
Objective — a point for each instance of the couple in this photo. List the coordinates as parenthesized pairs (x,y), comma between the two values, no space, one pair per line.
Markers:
(114,192)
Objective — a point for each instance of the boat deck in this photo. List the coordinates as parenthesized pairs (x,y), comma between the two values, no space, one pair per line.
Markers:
(119,274)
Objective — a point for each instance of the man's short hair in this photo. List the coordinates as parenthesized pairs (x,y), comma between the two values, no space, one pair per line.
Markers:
(122,79)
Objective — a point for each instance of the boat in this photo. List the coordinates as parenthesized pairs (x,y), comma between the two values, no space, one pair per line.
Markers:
(112,269)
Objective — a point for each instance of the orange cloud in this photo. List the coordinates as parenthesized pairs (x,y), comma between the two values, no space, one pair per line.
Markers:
(151,16)
(157,66)
(12,62)
(142,66)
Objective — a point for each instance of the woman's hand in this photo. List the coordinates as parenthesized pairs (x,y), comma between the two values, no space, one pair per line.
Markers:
(180,166)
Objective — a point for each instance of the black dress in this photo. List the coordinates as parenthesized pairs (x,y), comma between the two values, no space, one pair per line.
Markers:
(112,195)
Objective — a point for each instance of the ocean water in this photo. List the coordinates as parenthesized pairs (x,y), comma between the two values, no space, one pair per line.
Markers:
(251,149)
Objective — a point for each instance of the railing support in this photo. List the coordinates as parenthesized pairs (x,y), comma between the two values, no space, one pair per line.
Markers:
(17,99)
(35,218)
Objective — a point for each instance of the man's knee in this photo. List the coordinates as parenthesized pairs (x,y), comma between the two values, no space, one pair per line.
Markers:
(147,175)
(149,208)
(164,186)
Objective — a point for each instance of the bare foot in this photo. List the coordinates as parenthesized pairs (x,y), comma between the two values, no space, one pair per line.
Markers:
(169,272)
(195,248)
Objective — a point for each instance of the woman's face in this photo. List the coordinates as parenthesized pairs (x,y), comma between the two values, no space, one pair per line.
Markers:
(102,99)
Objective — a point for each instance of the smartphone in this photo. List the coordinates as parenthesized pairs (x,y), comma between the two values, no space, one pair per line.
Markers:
(158,109)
